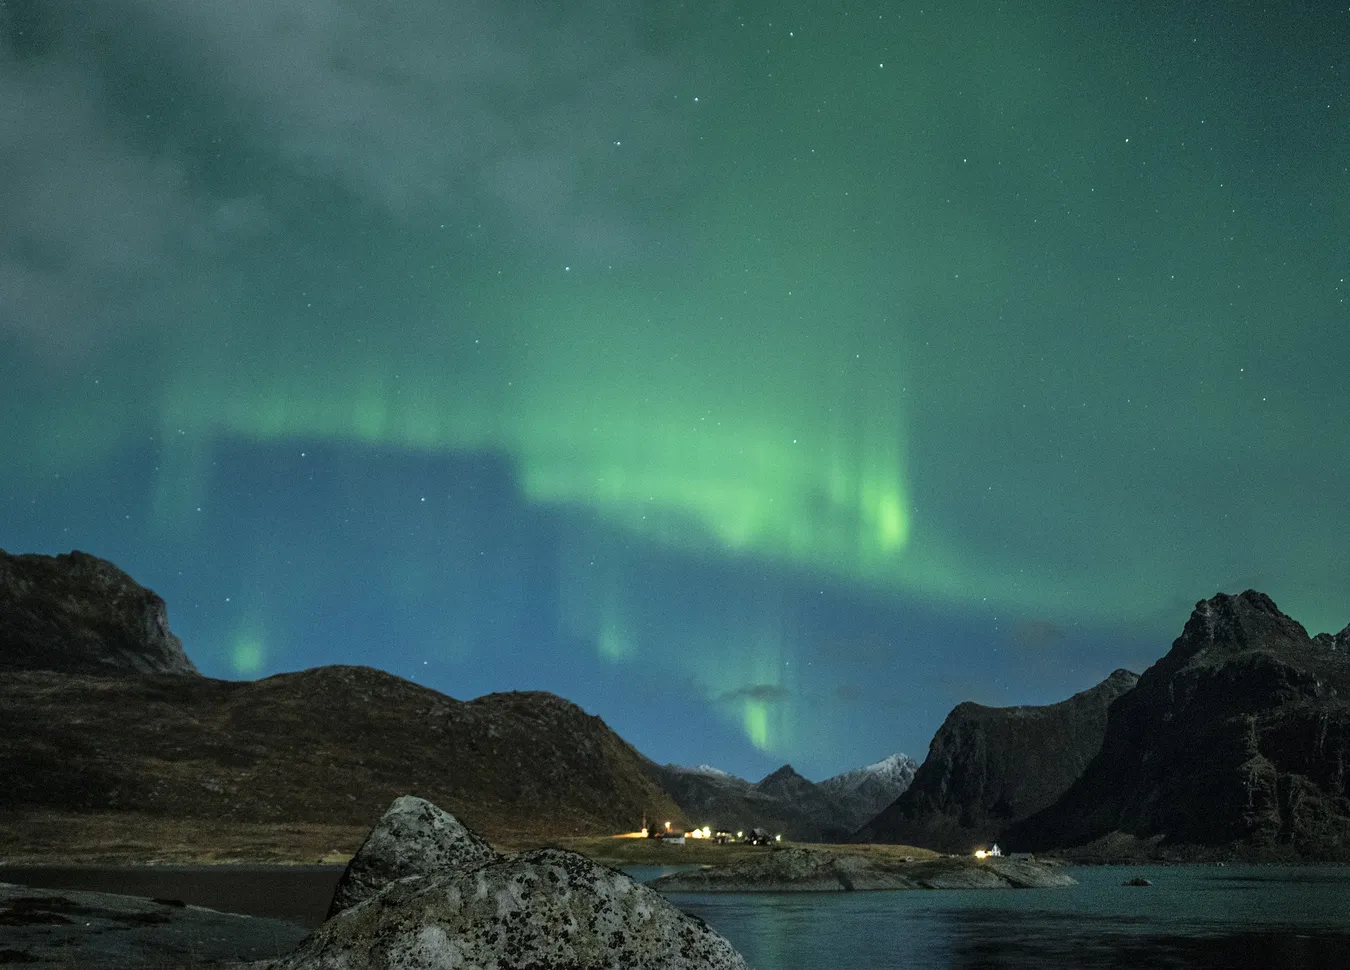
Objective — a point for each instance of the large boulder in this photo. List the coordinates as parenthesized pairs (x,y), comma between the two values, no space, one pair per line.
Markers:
(413,838)
(544,908)
(80,614)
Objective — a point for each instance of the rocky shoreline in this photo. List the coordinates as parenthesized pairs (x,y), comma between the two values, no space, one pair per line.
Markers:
(74,928)
(815,870)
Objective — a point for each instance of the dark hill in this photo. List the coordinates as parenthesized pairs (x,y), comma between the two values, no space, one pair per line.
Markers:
(989,767)
(102,715)
(81,614)
(1236,742)
(332,745)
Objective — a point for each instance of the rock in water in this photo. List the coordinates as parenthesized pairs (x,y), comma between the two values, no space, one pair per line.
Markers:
(816,870)
(80,614)
(413,838)
(541,909)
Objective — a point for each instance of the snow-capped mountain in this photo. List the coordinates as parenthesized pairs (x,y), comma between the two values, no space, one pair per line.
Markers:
(705,770)
(785,801)
(864,792)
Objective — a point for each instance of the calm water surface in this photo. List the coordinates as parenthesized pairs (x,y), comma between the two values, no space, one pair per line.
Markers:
(1190,917)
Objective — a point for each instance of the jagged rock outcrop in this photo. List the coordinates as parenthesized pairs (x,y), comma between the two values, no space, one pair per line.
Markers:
(544,908)
(1235,742)
(413,838)
(864,792)
(782,802)
(80,614)
(814,870)
(989,767)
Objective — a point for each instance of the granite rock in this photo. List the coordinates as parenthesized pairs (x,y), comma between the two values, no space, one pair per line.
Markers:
(413,838)
(543,908)
(68,928)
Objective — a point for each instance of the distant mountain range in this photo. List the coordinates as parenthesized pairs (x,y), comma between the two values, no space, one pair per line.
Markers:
(784,801)
(102,713)
(1236,744)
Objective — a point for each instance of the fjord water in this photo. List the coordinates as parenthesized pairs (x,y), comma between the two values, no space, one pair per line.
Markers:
(1192,916)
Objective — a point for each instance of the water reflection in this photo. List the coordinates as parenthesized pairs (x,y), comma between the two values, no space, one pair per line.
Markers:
(1189,917)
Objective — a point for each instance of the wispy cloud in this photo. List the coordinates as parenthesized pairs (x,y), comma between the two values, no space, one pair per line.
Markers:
(763,693)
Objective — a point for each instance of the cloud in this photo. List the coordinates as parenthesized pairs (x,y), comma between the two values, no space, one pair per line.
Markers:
(552,113)
(858,649)
(848,693)
(144,141)
(91,225)
(762,693)
(1034,634)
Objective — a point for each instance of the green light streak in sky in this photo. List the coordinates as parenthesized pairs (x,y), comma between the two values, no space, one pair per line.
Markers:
(247,654)
(756,723)
(696,441)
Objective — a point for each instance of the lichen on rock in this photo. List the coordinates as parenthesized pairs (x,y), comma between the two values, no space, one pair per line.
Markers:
(412,838)
(543,908)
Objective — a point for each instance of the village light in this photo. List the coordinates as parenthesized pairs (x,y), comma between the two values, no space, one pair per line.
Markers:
(778,838)
(981,854)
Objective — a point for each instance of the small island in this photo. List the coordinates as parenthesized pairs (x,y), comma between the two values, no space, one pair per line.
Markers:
(798,869)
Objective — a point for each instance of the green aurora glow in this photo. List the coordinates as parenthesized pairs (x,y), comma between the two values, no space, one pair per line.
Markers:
(1000,314)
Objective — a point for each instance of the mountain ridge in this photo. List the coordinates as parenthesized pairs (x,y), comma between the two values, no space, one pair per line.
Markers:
(988,767)
(1235,743)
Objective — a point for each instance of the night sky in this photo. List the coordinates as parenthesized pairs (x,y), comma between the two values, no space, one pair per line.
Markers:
(767,377)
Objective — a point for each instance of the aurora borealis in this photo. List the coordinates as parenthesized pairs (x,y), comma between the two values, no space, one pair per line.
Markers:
(766,378)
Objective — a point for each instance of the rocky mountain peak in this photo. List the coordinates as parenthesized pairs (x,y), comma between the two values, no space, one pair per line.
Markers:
(80,614)
(1339,641)
(989,767)
(865,791)
(1239,622)
(1238,740)
(785,782)
(1118,678)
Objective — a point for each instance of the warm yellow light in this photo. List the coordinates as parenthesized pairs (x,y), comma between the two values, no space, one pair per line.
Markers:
(980,853)
(778,838)
(667,826)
